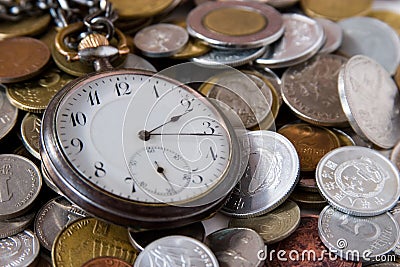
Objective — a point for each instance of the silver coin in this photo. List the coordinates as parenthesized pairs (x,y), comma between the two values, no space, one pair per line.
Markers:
(161,40)
(333,33)
(358,181)
(236,247)
(48,181)
(19,250)
(370,100)
(249,96)
(140,240)
(395,211)
(310,90)
(233,58)
(273,78)
(395,155)
(302,39)
(13,226)
(30,132)
(373,38)
(176,250)
(270,177)
(133,61)
(357,238)
(20,185)
(8,114)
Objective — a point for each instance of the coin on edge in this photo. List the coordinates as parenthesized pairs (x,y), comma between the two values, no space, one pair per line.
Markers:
(358,181)
(370,100)
(86,239)
(8,114)
(21,249)
(275,225)
(15,225)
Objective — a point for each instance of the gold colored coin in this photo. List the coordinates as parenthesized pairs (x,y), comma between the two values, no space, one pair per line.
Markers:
(234,21)
(34,95)
(106,262)
(48,37)
(336,9)
(89,238)
(344,139)
(397,77)
(389,17)
(30,132)
(27,27)
(274,226)
(311,143)
(128,9)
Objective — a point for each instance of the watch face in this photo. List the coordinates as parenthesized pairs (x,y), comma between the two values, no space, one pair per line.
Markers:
(143,138)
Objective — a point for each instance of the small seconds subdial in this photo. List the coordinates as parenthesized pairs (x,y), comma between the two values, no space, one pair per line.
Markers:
(160,171)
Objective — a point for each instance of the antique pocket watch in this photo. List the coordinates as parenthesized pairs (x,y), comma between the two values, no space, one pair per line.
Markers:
(166,159)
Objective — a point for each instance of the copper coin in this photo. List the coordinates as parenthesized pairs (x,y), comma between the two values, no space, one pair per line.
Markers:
(304,248)
(106,262)
(307,182)
(311,143)
(22,58)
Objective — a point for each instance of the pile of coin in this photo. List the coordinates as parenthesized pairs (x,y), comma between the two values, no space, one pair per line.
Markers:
(311,83)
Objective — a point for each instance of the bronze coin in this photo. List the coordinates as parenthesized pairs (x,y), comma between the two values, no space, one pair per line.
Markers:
(311,143)
(304,248)
(307,182)
(106,262)
(22,58)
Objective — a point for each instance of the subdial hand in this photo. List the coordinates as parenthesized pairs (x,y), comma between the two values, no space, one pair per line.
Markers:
(160,170)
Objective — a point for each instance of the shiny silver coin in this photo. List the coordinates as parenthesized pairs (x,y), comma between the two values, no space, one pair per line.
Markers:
(13,226)
(333,33)
(161,40)
(233,58)
(357,238)
(302,39)
(54,216)
(395,155)
(253,25)
(395,211)
(8,114)
(21,183)
(373,38)
(176,250)
(30,132)
(236,247)
(270,177)
(19,250)
(358,181)
(140,240)
(370,100)
(133,61)
(310,90)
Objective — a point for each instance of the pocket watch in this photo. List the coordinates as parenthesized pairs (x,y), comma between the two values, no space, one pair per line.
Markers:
(139,149)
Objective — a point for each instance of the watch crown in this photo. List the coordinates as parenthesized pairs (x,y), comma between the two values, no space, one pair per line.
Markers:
(93,40)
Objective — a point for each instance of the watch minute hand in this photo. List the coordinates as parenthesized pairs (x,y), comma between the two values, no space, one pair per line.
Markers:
(196,134)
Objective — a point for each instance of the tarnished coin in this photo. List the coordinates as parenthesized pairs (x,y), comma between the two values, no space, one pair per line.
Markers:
(275,225)
(302,39)
(235,24)
(304,248)
(86,239)
(233,58)
(236,247)
(14,226)
(372,38)
(30,133)
(28,26)
(311,143)
(336,9)
(270,176)
(395,155)
(161,40)
(395,211)
(358,181)
(310,89)
(141,239)
(19,250)
(106,262)
(307,182)
(8,114)
(34,95)
(357,238)
(21,183)
(176,250)
(133,61)
(333,33)
(54,216)
(22,58)
(370,100)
